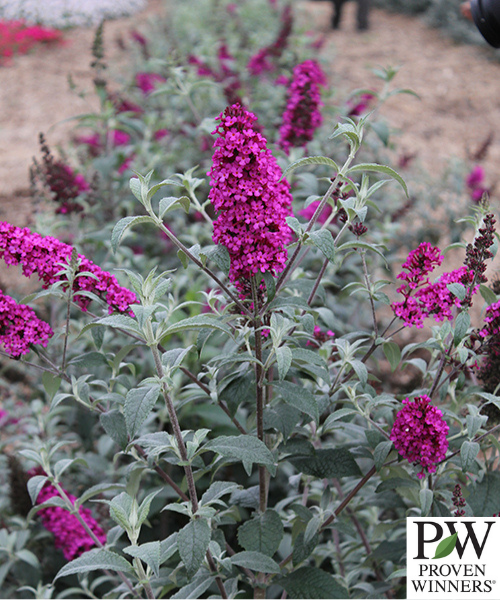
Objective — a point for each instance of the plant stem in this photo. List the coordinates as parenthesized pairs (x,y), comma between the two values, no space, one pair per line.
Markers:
(199,264)
(259,375)
(367,282)
(221,403)
(89,531)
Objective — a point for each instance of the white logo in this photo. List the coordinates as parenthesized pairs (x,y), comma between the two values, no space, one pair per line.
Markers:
(452,557)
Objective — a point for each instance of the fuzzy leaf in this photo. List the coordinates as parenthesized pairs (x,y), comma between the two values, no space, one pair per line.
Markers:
(298,397)
(311,582)
(311,160)
(148,553)
(262,534)
(255,561)
(138,404)
(94,560)
(379,169)
(284,360)
(123,225)
(244,448)
(468,453)
(113,423)
(192,542)
(393,354)
(333,462)
(323,240)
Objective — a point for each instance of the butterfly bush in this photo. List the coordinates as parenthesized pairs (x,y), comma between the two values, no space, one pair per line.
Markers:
(302,114)
(45,256)
(251,203)
(424,298)
(69,534)
(20,328)
(419,434)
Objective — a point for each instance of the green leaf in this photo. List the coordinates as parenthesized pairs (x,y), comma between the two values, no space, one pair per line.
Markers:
(170,203)
(217,490)
(94,560)
(255,561)
(311,582)
(284,361)
(298,397)
(198,322)
(446,546)
(311,160)
(468,453)
(244,448)
(301,549)
(35,485)
(333,462)
(113,423)
(379,169)
(488,295)
(195,588)
(220,255)
(484,498)
(462,324)
(99,488)
(148,553)
(457,289)
(323,240)
(380,453)
(123,225)
(139,402)
(51,384)
(282,418)
(393,354)
(426,500)
(262,534)
(192,542)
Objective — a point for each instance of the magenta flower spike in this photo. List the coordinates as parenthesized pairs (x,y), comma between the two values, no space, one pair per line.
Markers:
(419,434)
(251,203)
(302,114)
(44,255)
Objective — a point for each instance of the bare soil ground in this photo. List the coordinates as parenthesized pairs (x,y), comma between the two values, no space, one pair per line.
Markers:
(458,87)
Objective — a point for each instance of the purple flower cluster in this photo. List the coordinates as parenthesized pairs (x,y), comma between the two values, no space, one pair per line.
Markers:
(302,115)
(419,434)
(251,202)
(146,82)
(474,182)
(423,298)
(360,104)
(266,58)
(320,337)
(69,534)
(20,328)
(44,255)
(226,75)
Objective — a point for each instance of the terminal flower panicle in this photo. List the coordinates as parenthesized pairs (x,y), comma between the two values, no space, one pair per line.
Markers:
(44,255)
(302,115)
(419,434)
(423,298)
(250,201)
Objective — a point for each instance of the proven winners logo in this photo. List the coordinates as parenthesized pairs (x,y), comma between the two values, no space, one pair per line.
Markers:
(455,557)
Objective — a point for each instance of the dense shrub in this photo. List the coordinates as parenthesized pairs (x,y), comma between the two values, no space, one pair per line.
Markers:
(219,366)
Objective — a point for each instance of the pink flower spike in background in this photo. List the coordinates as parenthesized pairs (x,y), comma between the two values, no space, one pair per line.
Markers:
(419,434)
(251,203)
(474,182)
(147,82)
(302,114)
(69,534)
